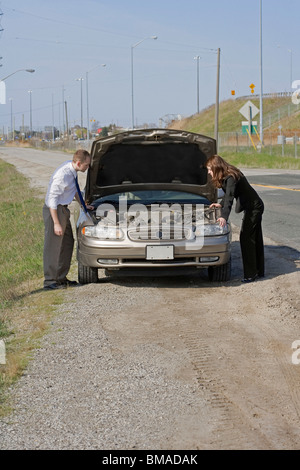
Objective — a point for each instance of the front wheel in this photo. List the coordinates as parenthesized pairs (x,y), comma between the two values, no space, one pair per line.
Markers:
(220,273)
(86,274)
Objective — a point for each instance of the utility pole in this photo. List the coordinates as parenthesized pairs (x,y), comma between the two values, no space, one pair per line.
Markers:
(197,58)
(67,125)
(63,113)
(261,81)
(217,99)
(30,105)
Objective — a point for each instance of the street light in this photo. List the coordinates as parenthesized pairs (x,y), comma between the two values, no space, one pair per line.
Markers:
(20,70)
(197,58)
(132,101)
(81,119)
(87,99)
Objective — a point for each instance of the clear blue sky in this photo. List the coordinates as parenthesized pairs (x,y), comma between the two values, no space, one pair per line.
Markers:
(62,40)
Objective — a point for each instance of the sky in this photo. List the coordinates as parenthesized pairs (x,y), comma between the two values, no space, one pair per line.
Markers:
(64,41)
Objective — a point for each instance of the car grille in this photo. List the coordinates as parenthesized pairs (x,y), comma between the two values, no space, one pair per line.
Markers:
(146,234)
(169,262)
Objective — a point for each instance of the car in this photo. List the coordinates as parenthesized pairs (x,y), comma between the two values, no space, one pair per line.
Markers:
(151,196)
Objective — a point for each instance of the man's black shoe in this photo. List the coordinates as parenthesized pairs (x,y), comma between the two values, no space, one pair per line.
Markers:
(68,283)
(54,286)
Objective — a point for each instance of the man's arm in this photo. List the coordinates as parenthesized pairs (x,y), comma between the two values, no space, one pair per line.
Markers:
(57,227)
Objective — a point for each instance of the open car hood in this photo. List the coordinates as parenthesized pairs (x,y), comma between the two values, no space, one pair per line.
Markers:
(149,159)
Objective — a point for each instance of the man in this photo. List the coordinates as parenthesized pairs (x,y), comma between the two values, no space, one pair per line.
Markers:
(59,240)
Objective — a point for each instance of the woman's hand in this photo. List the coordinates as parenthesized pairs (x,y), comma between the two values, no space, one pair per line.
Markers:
(216,205)
(222,222)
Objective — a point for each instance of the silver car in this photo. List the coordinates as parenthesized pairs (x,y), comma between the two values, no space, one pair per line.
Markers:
(151,195)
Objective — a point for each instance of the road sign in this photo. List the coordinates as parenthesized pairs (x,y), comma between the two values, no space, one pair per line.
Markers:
(249,110)
(252,86)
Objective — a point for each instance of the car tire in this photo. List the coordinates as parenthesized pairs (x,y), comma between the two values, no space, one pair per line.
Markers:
(87,275)
(220,273)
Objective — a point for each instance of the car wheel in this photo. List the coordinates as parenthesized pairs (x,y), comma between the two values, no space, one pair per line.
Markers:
(86,274)
(220,273)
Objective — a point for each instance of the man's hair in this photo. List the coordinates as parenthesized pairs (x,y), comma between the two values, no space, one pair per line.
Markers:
(80,156)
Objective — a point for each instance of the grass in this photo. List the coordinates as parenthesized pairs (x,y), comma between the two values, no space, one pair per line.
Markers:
(21,232)
(280,110)
(25,309)
(252,159)
(237,148)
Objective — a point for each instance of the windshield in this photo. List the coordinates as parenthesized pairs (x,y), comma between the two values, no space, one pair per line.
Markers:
(152,197)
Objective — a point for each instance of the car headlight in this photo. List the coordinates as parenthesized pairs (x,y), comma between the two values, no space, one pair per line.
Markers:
(209,230)
(103,232)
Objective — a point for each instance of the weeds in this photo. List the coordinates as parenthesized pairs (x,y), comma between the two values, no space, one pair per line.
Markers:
(21,233)
(25,309)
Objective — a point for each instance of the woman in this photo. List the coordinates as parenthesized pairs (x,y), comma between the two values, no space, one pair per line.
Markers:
(236,186)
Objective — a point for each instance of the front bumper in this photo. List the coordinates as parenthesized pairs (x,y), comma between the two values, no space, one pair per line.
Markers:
(117,255)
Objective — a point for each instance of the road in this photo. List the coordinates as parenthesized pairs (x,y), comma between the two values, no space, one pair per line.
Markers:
(204,366)
(280,191)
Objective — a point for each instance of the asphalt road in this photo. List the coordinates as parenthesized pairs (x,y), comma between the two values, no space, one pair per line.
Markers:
(280,191)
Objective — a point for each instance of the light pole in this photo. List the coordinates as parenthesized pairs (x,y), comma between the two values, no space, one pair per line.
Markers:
(261,76)
(30,108)
(197,58)
(132,99)
(63,112)
(87,99)
(291,67)
(3,79)
(81,115)
(20,70)
(217,98)
(11,118)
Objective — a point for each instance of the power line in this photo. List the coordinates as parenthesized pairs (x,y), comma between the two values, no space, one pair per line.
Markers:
(53,20)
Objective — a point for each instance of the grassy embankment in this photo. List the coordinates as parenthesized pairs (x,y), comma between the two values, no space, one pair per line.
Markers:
(25,309)
(278,110)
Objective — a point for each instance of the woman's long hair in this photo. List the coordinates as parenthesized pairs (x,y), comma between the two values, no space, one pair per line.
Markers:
(221,169)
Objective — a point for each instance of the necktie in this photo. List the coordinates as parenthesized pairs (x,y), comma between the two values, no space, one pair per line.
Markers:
(80,196)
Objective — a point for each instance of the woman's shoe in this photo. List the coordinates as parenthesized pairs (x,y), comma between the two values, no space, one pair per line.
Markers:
(249,279)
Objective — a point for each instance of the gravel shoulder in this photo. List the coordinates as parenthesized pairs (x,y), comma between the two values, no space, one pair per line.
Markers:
(165,363)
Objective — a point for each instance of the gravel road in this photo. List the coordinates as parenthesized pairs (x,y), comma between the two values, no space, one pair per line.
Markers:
(165,363)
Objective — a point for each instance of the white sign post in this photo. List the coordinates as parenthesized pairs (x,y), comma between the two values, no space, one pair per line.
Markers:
(249,111)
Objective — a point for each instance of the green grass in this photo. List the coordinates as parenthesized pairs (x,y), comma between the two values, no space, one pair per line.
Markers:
(277,111)
(252,159)
(25,309)
(21,233)
(237,148)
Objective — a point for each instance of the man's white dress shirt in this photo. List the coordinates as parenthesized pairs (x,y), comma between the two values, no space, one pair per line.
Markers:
(62,187)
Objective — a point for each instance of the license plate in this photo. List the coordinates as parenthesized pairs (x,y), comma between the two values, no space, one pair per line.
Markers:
(159,252)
